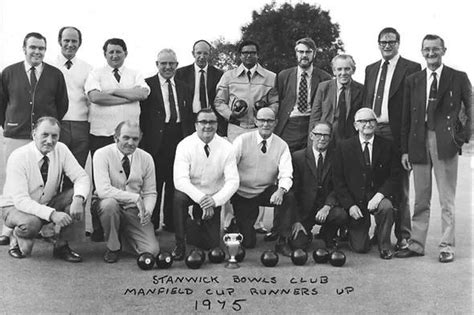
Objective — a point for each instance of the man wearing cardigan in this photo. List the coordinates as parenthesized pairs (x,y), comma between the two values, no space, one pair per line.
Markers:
(124,177)
(265,170)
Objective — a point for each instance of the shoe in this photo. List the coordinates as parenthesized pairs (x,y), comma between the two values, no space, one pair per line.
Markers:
(270,236)
(445,257)
(386,254)
(261,230)
(66,253)
(178,252)
(405,253)
(283,248)
(111,256)
(15,252)
(401,244)
(4,240)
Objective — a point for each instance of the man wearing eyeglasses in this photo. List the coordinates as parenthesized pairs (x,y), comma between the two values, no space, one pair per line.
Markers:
(265,170)
(314,191)
(296,88)
(337,100)
(166,118)
(436,123)
(383,92)
(205,176)
(366,175)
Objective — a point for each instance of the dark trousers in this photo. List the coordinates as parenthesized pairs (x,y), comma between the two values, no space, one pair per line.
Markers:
(359,229)
(204,234)
(295,133)
(164,160)
(75,134)
(246,212)
(337,217)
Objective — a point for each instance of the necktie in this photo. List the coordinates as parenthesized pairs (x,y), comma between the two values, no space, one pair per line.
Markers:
(264,146)
(431,102)
(206,149)
(303,94)
(126,166)
(366,154)
(33,79)
(173,113)
(69,64)
(380,88)
(116,75)
(202,90)
(319,169)
(249,75)
(44,169)
(341,120)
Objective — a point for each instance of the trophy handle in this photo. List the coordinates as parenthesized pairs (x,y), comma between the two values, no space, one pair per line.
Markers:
(240,237)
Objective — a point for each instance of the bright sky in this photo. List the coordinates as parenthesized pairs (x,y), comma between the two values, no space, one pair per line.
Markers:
(147,26)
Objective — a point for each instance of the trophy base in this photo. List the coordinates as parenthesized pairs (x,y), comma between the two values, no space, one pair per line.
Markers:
(232,265)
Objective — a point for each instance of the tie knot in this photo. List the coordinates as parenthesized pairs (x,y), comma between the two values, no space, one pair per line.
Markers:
(115,69)
(386,63)
(32,68)
(45,159)
(434,75)
(304,74)
(343,87)
(168,81)
(202,71)
(69,64)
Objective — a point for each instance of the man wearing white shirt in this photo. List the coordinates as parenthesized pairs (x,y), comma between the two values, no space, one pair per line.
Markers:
(266,172)
(114,91)
(124,177)
(31,194)
(206,176)
(74,125)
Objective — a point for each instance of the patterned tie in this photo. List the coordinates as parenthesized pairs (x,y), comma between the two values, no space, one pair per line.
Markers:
(126,165)
(319,169)
(33,79)
(116,75)
(264,146)
(44,169)
(431,102)
(366,154)
(202,90)
(249,75)
(303,94)
(206,149)
(173,113)
(69,64)
(341,120)
(380,88)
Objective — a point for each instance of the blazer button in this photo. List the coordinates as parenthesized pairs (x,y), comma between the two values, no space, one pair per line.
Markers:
(448,117)
(449,128)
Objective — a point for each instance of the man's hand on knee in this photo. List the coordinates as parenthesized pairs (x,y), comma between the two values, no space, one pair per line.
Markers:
(77,209)
(61,219)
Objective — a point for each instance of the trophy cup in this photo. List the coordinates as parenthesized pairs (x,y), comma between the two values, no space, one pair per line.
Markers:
(232,241)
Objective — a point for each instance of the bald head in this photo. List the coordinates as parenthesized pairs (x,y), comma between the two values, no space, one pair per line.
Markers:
(265,121)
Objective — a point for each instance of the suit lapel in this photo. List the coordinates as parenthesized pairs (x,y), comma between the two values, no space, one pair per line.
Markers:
(332,92)
(357,149)
(354,95)
(159,95)
(398,75)
(192,78)
(376,151)
(446,77)
(420,85)
(314,83)
(327,164)
(311,162)
(372,81)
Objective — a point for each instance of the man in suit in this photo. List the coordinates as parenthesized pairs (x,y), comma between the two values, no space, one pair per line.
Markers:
(31,196)
(313,188)
(125,180)
(166,118)
(202,78)
(337,100)
(383,92)
(436,123)
(296,91)
(29,90)
(366,175)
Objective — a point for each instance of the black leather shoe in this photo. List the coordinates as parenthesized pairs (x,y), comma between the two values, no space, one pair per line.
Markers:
(261,230)
(178,252)
(270,236)
(111,256)
(386,254)
(405,253)
(67,254)
(15,252)
(445,257)
(283,248)
(4,240)
(401,244)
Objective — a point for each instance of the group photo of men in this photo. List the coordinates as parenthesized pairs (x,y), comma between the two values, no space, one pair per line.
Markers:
(197,152)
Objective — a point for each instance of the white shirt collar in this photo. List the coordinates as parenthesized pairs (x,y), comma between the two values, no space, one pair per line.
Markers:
(163,80)
(438,72)
(62,60)
(308,71)
(120,69)
(39,68)
(38,155)
(244,70)
(391,62)
(197,68)
(260,139)
(363,141)
(121,155)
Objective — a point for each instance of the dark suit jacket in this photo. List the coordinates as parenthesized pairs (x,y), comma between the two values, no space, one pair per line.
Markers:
(17,112)
(285,84)
(305,184)
(403,69)
(325,104)
(152,115)
(349,173)
(452,115)
(187,75)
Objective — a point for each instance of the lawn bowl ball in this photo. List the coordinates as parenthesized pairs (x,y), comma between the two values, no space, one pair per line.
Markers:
(269,258)
(337,259)
(216,255)
(164,260)
(299,257)
(194,260)
(146,261)
(240,254)
(321,256)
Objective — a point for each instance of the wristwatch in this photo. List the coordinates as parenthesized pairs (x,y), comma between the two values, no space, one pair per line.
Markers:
(284,189)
